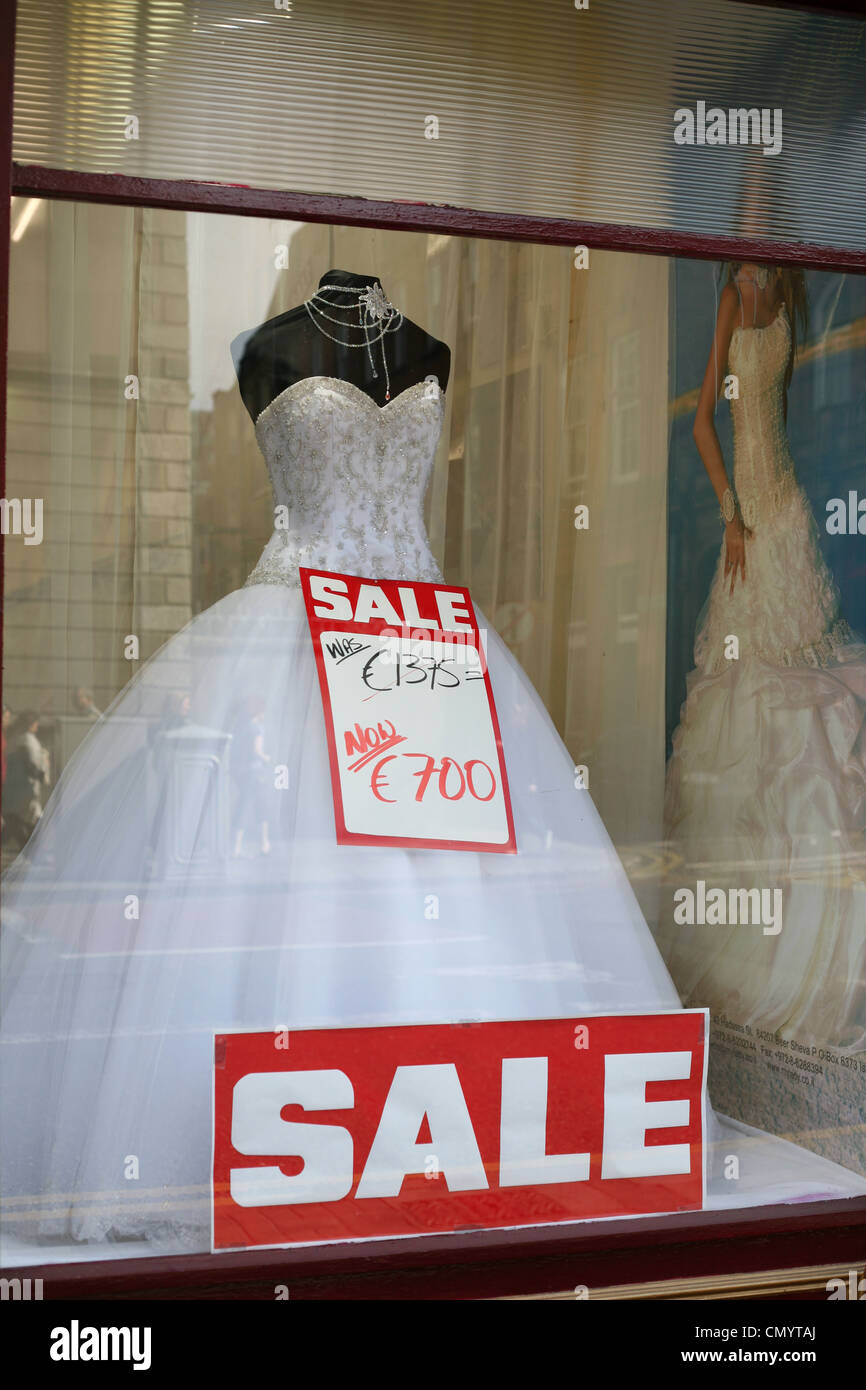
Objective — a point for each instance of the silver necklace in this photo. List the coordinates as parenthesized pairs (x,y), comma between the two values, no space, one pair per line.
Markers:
(376,317)
(761,278)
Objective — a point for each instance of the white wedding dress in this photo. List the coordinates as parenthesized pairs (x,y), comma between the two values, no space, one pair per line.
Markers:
(766,785)
(130,936)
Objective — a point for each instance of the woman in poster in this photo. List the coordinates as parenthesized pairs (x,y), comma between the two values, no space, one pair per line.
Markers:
(766,785)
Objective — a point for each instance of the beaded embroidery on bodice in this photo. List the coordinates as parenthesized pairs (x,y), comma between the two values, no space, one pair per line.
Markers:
(349,479)
(763,467)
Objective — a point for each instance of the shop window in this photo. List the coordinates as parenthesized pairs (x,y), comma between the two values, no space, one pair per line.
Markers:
(208,897)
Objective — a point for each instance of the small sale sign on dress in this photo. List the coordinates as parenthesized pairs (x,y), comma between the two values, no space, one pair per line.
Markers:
(351,1133)
(413,739)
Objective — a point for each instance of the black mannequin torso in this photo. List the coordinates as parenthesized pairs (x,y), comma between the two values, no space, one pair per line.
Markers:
(291,347)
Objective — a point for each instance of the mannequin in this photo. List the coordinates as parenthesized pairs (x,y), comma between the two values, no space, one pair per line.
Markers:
(291,347)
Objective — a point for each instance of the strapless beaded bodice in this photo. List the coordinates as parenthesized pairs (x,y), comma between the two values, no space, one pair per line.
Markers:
(786,610)
(349,479)
(763,467)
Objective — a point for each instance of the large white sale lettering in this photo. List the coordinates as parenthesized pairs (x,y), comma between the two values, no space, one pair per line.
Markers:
(352,1133)
(435,1092)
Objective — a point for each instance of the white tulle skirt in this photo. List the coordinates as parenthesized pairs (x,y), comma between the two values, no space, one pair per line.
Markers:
(132,931)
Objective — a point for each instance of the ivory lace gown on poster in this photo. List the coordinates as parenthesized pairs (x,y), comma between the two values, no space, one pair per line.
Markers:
(122,954)
(766,784)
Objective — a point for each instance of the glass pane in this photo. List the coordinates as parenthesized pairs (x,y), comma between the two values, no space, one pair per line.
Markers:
(189,427)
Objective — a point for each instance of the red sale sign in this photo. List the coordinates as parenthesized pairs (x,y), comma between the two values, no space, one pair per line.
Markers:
(413,739)
(353,1133)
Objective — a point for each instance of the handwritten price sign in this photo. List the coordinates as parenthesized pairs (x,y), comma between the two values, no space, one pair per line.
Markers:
(413,738)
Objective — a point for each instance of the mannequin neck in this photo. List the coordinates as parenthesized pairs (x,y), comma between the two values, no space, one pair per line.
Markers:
(351,281)
(348,277)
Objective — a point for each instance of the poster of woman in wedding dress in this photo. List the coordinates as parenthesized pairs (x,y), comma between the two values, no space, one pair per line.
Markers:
(764,920)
